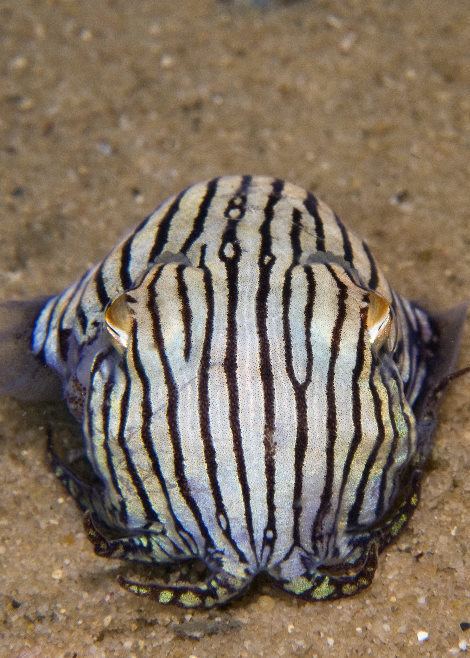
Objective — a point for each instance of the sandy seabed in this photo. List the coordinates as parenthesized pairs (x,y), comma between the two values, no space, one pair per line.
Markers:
(106,108)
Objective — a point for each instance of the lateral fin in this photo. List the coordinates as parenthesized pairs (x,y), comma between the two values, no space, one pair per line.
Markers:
(448,326)
(22,375)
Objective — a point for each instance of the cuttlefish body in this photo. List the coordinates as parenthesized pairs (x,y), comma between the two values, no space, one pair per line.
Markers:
(252,393)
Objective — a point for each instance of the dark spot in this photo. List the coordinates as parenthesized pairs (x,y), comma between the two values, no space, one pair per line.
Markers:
(401,197)
(192,106)
(379,234)
(15,99)
(435,463)
(48,128)
(448,71)
(18,192)
(465,625)
(100,636)
(425,255)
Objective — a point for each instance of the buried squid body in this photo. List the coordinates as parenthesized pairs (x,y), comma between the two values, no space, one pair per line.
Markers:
(251,392)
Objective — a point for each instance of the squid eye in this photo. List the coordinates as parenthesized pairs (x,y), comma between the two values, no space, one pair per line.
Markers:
(118,320)
(379,319)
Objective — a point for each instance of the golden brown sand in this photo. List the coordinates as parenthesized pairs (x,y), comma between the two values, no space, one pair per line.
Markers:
(107,107)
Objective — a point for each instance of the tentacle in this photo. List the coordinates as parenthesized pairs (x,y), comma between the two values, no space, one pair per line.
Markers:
(216,590)
(390,528)
(103,546)
(333,582)
(150,545)
(83,492)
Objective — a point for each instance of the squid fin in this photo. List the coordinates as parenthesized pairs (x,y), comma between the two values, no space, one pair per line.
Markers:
(22,375)
(448,327)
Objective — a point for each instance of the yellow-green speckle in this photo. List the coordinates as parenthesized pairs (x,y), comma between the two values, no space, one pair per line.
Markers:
(414,500)
(298,585)
(349,589)
(165,596)
(324,590)
(398,525)
(138,589)
(190,600)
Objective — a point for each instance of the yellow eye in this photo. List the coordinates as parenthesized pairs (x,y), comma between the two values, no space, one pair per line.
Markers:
(379,319)
(118,320)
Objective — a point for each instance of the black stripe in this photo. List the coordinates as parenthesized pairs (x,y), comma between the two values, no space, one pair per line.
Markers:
(403,404)
(300,388)
(82,317)
(123,441)
(379,509)
(89,423)
(102,356)
(64,336)
(200,218)
(347,247)
(186,313)
(147,438)
(398,353)
(374,276)
(411,346)
(79,312)
(356,410)
(265,263)
(311,204)
(65,332)
(42,352)
(331,423)
(124,273)
(236,207)
(100,287)
(295,232)
(139,485)
(204,406)
(105,415)
(172,411)
(105,411)
(402,350)
(164,224)
(234,212)
(355,510)
(126,249)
